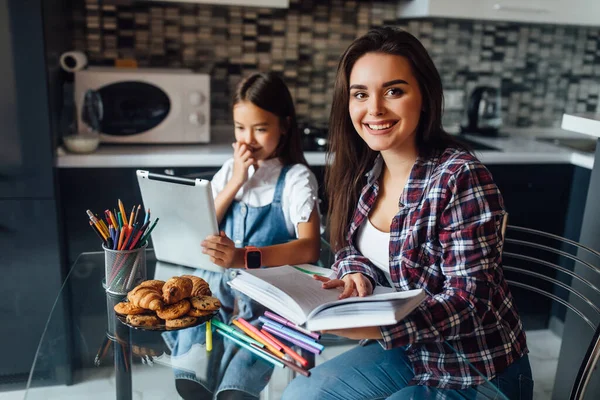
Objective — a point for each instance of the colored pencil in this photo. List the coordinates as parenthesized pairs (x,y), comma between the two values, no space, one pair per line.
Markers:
(147,234)
(131,216)
(97,232)
(137,211)
(123,214)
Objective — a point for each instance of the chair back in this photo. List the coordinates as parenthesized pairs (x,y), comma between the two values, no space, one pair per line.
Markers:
(566,275)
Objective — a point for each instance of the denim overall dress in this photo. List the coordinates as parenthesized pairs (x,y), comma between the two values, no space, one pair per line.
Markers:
(227,367)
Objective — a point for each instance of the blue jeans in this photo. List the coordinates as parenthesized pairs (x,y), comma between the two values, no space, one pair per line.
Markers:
(370,372)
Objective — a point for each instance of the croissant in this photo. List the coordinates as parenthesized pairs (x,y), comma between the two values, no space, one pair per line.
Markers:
(177,289)
(200,287)
(153,283)
(146,297)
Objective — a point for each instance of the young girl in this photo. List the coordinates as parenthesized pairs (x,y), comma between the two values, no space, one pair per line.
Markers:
(266,203)
(409,205)
(265,196)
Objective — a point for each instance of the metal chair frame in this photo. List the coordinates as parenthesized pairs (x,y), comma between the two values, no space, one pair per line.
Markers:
(593,314)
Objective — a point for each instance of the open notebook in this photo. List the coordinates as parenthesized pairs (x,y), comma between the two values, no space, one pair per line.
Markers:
(297,296)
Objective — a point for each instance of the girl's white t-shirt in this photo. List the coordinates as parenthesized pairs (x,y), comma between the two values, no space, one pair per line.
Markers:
(375,245)
(300,192)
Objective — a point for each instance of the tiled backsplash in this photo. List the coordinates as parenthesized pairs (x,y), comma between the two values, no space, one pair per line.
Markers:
(543,70)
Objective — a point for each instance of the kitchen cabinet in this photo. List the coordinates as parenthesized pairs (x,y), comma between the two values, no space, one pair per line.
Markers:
(576,12)
(30,253)
(245,3)
(29,263)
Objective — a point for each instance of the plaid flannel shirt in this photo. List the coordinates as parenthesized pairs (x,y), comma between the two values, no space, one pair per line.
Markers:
(445,239)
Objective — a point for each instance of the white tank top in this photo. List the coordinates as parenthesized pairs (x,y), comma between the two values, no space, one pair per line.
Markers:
(375,245)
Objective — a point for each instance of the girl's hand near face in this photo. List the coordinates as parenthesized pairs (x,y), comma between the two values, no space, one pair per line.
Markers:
(355,284)
(242,160)
(222,251)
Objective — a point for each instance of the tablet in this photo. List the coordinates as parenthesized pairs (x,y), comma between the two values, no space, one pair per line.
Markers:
(187,215)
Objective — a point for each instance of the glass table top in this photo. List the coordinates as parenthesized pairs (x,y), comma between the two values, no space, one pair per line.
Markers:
(85,345)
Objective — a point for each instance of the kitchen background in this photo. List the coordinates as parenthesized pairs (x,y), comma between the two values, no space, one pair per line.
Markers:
(543,70)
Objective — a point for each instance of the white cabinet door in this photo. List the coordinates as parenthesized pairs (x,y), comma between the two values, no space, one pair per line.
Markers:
(573,12)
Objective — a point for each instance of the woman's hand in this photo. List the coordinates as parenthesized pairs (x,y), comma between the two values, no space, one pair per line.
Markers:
(242,160)
(355,284)
(222,251)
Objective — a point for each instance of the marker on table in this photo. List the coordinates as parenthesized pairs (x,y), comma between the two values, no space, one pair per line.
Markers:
(287,363)
(257,332)
(290,324)
(301,360)
(251,348)
(235,333)
(290,339)
(291,333)
(260,338)
(208,336)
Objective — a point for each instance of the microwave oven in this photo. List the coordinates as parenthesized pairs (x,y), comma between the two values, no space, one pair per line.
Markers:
(147,105)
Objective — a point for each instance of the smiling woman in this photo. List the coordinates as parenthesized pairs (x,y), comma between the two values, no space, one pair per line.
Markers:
(399,180)
(385,107)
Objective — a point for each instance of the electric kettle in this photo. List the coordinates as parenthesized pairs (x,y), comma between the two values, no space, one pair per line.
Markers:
(483,112)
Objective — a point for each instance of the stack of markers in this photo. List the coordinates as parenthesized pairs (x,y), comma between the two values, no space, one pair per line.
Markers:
(119,232)
(272,342)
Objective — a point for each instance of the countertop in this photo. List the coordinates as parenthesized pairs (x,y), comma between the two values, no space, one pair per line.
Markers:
(588,124)
(518,148)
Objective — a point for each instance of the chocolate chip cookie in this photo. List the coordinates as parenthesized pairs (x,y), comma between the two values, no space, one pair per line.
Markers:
(127,308)
(182,322)
(205,303)
(144,320)
(174,311)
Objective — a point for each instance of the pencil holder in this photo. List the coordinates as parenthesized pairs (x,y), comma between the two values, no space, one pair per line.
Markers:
(124,269)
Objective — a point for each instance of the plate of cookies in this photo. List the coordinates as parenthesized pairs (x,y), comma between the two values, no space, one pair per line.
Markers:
(180,302)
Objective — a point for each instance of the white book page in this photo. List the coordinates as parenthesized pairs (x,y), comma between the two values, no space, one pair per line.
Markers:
(354,315)
(268,295)
(380,294)
(302,287)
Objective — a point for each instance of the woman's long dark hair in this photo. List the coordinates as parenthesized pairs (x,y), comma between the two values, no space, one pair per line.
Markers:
(350,157)
(269,92)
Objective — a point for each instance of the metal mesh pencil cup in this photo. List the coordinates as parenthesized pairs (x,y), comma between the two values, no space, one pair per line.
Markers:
(124,269)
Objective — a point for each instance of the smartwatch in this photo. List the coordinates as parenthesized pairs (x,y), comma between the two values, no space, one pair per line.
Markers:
(253,257)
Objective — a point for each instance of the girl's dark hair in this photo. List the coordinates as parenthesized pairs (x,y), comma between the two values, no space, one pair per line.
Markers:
(269,92)
(350,157)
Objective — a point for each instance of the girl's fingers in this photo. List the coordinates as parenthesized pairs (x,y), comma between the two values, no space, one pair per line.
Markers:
(321,278)
(214,253)
(248,162)
(246,155)
(217,246)
(218,261)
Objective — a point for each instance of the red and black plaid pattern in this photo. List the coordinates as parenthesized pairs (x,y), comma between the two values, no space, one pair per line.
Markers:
(446,239)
